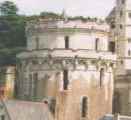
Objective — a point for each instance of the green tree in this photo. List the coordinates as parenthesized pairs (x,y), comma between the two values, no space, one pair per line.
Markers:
(50,15)
(12,33)
(8,8)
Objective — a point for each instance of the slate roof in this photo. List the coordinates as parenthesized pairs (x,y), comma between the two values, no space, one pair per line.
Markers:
(23,110)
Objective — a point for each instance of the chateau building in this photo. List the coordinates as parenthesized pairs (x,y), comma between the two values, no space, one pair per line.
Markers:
(68,64)
(120,22)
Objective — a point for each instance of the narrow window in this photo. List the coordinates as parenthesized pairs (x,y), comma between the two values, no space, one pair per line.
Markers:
(35,82)
(30,84)
(67,42)
(116,103)
(121,26)
(53,106)
(123,1)
(129,52)
(101,76)
(37,43)
(112,46)
(96,43)
(129,14)
(121,13)
(65,80)
(2,117)
(129,40)
(84,107)
(113,26)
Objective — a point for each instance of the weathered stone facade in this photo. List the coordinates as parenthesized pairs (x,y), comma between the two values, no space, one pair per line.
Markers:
(120,21)
(68,63)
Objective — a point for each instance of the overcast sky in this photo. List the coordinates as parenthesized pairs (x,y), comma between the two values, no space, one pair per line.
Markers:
(99,8)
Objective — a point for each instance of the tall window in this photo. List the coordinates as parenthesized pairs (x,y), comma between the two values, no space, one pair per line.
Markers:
(35,82)
(84,107)
(116,103)
(123,1)
(129,40)
(101,76)
(121,13)
(113,26)
(65,80)
(121,26)
(129,15)
(2,117)
(112,46)
(53,106)
(96,43)
(30,84)
(129,52)
(67,42)
(37,43)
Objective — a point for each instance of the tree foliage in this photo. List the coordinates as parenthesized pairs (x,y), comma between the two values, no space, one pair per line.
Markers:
(50,15)
(8,8)
(12,32)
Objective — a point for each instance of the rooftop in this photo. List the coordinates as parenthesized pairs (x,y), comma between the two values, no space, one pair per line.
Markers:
(60,24)
(24,110)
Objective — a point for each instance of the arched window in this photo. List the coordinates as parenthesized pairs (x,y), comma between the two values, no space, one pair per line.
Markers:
(101,76)
(84,108)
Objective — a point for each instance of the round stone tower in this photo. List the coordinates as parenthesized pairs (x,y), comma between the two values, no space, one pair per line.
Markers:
(68,65)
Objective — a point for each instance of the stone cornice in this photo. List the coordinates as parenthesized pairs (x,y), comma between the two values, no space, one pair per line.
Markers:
(69,53)
(76,63)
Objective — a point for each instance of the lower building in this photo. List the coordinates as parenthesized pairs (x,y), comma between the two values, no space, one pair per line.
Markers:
(116,117)
(7,81)
(122,94)
(23,110)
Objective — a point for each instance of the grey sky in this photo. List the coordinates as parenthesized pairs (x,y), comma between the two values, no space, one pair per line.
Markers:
(99,8)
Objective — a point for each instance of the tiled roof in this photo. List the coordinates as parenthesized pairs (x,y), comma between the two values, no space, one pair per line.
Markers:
(23,110)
